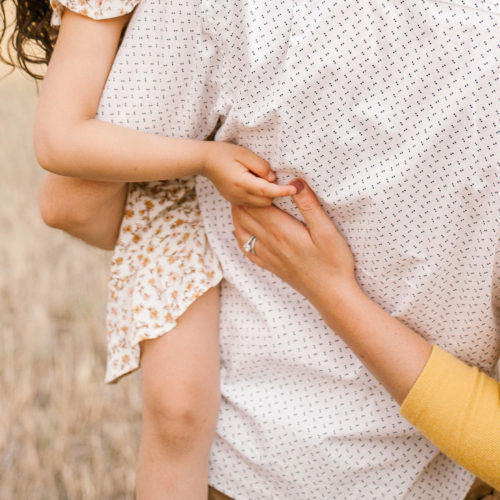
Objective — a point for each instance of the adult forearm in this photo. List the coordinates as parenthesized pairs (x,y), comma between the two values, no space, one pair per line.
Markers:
(316,261)
(394,353)
(89,210)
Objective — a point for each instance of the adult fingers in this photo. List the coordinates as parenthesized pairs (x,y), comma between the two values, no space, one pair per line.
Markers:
(275,229)
(276,221)
(316,219)
(243,236)
(242,220)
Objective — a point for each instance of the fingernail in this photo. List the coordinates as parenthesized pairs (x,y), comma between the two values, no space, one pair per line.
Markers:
(271,176)
(298,185)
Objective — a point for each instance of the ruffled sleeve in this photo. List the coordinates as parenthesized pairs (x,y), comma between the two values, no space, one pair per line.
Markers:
(95,9)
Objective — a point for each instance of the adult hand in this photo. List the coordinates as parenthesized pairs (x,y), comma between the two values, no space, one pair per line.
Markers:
(313,258)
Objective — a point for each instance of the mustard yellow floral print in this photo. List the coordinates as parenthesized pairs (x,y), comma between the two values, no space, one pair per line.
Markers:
(162,263)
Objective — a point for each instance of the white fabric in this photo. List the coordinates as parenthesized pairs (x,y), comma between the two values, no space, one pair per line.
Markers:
(389,109)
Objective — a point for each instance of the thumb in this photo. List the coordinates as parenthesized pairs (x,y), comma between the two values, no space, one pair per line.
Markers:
(315,217)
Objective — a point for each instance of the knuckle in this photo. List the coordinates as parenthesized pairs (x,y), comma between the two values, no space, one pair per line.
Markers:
(307,204)
(277,234)
(321,235)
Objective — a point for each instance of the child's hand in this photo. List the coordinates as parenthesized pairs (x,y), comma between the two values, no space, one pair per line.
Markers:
(242,177)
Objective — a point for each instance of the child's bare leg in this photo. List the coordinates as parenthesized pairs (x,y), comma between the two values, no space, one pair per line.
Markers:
(180,378)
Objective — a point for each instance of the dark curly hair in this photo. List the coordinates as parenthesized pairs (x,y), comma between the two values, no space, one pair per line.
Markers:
(33,37)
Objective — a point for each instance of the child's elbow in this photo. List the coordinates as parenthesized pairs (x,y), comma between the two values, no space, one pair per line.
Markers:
(46,143)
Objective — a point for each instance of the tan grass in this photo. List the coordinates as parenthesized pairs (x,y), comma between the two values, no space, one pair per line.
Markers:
(63,433)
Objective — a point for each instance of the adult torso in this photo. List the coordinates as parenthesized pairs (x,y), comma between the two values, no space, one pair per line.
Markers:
(388,110)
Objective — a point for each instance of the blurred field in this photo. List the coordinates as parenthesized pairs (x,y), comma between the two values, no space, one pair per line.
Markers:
(63,433)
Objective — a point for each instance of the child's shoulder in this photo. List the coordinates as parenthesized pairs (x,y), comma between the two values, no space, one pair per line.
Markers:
(95,9)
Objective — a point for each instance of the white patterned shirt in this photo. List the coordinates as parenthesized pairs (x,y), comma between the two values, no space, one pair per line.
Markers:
(389,110)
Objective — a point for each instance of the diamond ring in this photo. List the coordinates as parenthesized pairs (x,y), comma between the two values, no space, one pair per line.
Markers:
(249,246)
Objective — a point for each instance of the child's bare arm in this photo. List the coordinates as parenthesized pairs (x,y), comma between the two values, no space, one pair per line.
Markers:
(70,141)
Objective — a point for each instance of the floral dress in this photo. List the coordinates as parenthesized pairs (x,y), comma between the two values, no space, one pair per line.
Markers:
(161,264)
(162,261)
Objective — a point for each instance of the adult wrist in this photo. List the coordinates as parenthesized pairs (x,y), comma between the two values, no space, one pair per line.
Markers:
(339,299)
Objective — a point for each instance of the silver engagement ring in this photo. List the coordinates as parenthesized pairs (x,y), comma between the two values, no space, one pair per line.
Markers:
(249,246)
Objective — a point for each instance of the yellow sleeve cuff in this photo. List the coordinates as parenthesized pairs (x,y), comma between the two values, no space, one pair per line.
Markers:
(457,408)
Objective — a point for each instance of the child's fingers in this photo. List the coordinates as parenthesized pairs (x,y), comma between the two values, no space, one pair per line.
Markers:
(251,200)
(256,165)
(260,187)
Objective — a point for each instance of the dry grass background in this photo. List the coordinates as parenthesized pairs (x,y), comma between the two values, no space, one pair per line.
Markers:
(63,433)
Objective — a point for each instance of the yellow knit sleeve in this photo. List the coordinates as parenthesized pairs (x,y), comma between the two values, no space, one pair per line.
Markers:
(457,408)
